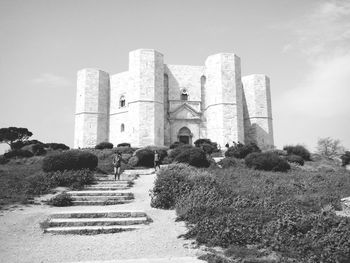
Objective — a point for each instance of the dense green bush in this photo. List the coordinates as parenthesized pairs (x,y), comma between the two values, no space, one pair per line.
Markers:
(175,145)
(42,183)
(228,162)
(70,160)
(179,149)
(194,156)
(124,144)
(239,206)
(146,155)
(18,153)
(169,184)
(207,145)
(345,158)
(3,159)
(267,162)
(19,144)
(36,149)
(61,200)
(56,146)
(295,159)
(104,145)
(240,150)
(298,150)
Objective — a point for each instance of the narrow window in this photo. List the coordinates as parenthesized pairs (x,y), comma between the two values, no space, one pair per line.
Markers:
(122,127)
(122,102)
(184,95)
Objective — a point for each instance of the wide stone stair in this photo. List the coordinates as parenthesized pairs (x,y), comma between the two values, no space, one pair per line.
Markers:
(104,192)
(90,222)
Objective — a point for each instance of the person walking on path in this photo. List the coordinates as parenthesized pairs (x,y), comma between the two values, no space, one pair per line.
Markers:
(156,161)
(117,160)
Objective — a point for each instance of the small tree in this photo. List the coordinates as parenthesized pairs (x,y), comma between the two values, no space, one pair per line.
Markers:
(329,147)
(12,135)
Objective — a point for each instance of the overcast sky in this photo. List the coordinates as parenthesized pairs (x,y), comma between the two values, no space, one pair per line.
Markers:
(303,46)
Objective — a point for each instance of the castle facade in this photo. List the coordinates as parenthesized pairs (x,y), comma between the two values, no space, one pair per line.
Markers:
(157,104)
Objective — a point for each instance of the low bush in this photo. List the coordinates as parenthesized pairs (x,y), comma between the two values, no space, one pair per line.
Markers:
(345,158)
(298,150)
(179,149)
(62,199)
(36,149)
(175,145)
(240,150)
(124,144)
(70,160)
(228,162)
(207,145)
(266,162)
(236,207)
(18,154)
(194,156)
(75,179)
(133,161)
(169,185)
(146,155)
(104,145)
(3,159)
(295,159)
(19,144)
(56,146)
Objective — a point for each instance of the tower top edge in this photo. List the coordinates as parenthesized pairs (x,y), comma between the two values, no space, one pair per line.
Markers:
(93,69)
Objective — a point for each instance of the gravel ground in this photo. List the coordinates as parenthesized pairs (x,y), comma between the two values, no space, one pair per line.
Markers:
(22,240)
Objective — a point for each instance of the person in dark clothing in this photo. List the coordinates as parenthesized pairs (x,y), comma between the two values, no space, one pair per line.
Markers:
(156,161)
(117,161)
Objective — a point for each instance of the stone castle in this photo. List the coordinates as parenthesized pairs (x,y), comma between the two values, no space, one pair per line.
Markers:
(157,104)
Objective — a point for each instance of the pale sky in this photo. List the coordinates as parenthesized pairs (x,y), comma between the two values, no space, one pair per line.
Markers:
(303,46)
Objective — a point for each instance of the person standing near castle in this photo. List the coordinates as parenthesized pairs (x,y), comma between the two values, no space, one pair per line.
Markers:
(156,160)
(117,160)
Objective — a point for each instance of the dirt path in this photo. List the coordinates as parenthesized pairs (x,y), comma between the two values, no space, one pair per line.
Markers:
(22,240)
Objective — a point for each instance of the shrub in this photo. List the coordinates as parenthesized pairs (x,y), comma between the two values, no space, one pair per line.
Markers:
(298,150)
(18,153)
(39,183)
(70,160)
(176,144)
(3,159)
(125,149)
(195,157)
(199,142)
(72,178)
(267,162)
(19,144)
(176,151)
(56,146)
(345,158)
(169,185)
(227,162)
(104,145)
(133,161)
(146,155)
(240,150)
(124,144)
(295,159)
(62,199)
(208,148)
(36,149)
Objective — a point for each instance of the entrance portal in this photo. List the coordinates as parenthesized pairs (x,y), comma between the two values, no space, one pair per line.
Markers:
(184,139)
(185,135)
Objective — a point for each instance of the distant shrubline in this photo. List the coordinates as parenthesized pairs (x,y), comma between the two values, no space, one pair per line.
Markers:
(157,104)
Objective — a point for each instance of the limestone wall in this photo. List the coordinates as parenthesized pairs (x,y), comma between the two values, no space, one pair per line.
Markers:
(258,116)
(92,108)
(223,99)
(146,106)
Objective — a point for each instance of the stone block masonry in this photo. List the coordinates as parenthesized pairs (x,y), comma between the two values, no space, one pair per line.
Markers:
(157,104)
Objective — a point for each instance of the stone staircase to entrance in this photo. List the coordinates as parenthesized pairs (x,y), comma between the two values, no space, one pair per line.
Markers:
(104,192)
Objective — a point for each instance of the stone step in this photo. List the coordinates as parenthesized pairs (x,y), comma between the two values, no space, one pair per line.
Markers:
(100,202)
(107,188)
(91,229)
(101,198)
(99,193)
(99,214)
(63,222)
(103,180)
(149,260)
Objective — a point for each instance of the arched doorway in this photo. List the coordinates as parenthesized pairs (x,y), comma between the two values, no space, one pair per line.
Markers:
(184,135)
